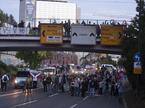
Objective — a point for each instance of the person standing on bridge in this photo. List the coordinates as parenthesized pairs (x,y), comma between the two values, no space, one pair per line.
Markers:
(67,28)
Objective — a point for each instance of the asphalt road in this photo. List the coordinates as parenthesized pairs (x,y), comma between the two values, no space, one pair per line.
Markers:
(39,99)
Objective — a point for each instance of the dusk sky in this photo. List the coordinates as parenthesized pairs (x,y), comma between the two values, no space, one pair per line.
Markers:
(90,9)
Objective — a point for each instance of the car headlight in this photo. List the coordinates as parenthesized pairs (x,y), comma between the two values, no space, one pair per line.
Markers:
(16,81)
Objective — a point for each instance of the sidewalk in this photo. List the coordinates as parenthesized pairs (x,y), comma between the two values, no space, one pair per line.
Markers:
(133,101)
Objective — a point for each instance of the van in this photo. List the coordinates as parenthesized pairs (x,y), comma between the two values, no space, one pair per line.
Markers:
(49,71)
(20,79)
(109,67)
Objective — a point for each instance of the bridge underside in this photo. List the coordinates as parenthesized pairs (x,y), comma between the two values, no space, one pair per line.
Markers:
(15,45)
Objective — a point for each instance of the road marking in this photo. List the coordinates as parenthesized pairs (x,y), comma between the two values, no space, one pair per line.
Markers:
(3,95)
(73,106)
(85,98)
(97,95)
(26,103)
(19,92)
(53,95)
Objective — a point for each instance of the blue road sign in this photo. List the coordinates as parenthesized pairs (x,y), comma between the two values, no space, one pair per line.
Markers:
(137,57)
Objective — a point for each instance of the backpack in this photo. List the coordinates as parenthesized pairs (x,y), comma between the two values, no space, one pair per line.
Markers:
(5,78)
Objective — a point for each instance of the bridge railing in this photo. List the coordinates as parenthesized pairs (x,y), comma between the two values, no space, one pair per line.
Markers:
(36,21)
(34,31)
(14,30)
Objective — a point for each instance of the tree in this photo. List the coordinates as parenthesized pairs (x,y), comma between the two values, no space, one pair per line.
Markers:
(2,17)
(5,18)
(33,58)
(133,41)
(11,20)
(9,69)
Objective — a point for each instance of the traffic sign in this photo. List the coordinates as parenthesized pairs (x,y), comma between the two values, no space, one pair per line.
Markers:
(137,63)
(137,57)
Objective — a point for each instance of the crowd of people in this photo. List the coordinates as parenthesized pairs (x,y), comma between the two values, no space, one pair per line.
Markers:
(100,83)
(103,82)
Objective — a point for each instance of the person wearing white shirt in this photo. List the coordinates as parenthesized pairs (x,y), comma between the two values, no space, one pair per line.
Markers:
(35,78)
(4,81)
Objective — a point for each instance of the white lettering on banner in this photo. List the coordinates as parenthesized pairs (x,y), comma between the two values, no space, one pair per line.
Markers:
(14,30)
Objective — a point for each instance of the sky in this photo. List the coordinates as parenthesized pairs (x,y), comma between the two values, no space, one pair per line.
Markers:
(90,9)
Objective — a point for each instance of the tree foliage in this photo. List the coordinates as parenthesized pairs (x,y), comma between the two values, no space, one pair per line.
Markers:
(5,18)
(11,70)
(134,39)
(33,58)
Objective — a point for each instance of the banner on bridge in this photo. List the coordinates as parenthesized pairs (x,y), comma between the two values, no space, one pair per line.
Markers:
(51,33)
(14,31)
(111,35)
(83,35)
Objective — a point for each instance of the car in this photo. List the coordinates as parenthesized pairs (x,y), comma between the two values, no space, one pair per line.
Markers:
(20,79)
(22,75)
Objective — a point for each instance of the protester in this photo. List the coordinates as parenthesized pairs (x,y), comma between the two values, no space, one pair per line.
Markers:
(4,81)
(28,84)
(44,82)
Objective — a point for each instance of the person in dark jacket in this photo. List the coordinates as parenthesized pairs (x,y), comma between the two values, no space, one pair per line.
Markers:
(84,86)
(44,82)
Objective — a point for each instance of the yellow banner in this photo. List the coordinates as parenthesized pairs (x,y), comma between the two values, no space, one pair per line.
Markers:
(111,35)
(51,33)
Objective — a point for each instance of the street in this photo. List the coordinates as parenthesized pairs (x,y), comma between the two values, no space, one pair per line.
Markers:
(39,99)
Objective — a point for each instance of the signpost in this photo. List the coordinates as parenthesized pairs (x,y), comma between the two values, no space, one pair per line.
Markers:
(137,63)
(51,33)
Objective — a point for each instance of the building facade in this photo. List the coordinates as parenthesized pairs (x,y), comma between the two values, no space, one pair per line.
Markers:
(47,11)
(61,58)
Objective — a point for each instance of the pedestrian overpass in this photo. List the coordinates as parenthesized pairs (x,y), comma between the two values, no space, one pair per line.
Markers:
(82,38)
(20,43)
